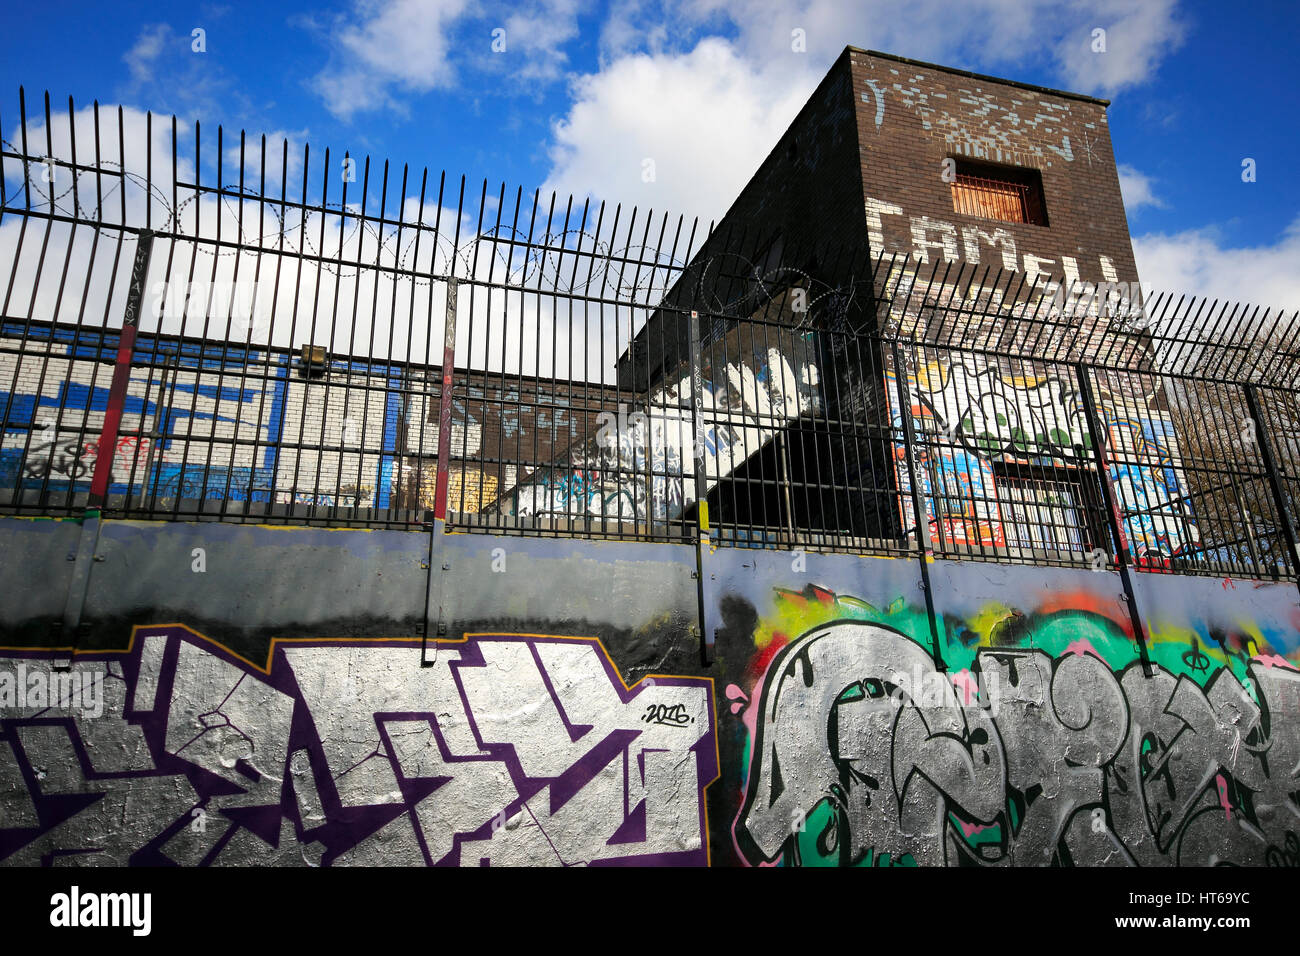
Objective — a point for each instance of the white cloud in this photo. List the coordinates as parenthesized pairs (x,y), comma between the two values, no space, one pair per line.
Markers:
(632,25)
(1197,261)
(402,44)
(387,48)
(1136,188)
(171,77)
(705,119)
(539,32)
(978,34)
(709,109)
(926,30)
(149,45)
(1138,36)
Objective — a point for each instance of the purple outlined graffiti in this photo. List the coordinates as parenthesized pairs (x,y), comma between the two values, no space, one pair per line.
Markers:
(509,749)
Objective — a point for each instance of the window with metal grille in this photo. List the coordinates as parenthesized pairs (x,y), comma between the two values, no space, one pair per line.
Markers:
(1007,193)
(1048,509)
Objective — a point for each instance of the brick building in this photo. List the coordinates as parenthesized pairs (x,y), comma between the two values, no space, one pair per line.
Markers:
(896,170)
(898,157)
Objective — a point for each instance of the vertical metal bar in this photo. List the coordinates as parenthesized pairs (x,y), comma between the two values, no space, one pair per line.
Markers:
(414,485)
(68,631)
(1256,561)
(1274,481)
(771,533)
(121,373)
(702,547)
(433,609)
(1099,441)
(925,551)
(266,377)
(148,497)
(445,404)
(783,463)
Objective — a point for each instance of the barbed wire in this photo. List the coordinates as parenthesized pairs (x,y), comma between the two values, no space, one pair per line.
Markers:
(549,247)
(646,277)
(542,257)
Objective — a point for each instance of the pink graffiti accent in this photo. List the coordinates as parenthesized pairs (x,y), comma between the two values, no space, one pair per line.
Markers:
(970,829)
(748,717)
(1274,660)
(737,698)
(1223,795)
(964,681)
(1082,647)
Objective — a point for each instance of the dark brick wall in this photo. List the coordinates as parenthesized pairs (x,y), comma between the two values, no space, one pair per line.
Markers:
(503,427)
(799,216)
(806,192)
(879,128)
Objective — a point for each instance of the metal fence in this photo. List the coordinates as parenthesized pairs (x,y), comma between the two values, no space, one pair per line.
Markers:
(197,327)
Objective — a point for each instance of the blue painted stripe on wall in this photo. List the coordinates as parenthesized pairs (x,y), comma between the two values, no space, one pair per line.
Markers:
(275,423)
(392,409)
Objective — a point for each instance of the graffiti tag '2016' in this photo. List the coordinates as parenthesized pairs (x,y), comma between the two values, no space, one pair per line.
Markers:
(1081,760)
(510,749)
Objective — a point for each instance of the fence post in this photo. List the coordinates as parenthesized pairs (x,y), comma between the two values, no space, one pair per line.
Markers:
(1274,481)
(1099,440)
(925,546)
(71,626)
(703,549)
(103,473)
(433,605)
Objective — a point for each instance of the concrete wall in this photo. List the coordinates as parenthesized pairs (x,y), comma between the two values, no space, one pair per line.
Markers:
(1043,743)
(259,695)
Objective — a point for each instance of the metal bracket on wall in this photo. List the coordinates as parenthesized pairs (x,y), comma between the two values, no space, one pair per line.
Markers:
(703,549)
(435,624)
(436,523)
(705,590)
(1114,516)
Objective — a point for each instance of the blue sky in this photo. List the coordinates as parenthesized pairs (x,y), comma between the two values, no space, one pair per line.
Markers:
(584,91)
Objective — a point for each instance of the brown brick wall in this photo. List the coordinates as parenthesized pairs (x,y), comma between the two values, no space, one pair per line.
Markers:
(911,117)
(503,427)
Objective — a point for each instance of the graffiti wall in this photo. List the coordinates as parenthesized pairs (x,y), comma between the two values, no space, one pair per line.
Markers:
(1032,733)
(237,423)
(305,696)
(506,750)
(632,466)
(972,417)
(195,726)
(216,422)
